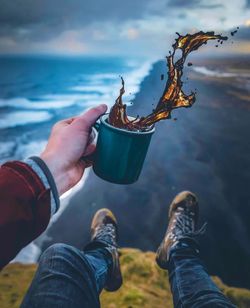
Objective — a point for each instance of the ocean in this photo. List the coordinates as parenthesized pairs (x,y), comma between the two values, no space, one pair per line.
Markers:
(36,92)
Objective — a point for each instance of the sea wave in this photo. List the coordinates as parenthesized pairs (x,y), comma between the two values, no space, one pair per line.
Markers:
(70,97)
(18,118)
(7,149)
(94,88)
(212,73)
(216,73)
(47,102)
(25,150)
(134,78)
(109,92)
(19,150)
(24,103)
(97,88)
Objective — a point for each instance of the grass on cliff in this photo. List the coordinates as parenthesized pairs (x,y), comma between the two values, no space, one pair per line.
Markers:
(145,285)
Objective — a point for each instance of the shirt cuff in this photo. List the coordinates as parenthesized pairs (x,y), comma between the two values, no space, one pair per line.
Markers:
(43,172)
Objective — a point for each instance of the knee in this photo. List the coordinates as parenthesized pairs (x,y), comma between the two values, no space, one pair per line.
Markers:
(54,251)
(61,259)
(63,256)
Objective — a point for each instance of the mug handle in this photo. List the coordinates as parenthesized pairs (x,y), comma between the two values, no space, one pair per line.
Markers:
(97,125)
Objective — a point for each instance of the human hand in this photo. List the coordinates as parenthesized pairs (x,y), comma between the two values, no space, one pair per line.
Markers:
(69,142)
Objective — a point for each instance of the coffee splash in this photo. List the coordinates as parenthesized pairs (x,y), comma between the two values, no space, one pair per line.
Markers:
(173,96)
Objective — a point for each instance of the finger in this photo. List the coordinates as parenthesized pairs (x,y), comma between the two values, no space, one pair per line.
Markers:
(86,120)
(90,149)
(87,161)
(84,164)
(69,120)
(92,137)
(65,121)
(88,155)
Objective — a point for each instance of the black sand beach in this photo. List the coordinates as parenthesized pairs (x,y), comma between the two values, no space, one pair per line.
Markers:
(206,150)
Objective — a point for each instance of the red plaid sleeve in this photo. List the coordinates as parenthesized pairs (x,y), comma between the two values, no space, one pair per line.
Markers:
(24,208)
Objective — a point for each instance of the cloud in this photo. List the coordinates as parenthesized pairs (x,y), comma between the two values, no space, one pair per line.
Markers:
(45,19)
(184,3)
(67,13)
(106,26)
(68,42)
(194,4)
(131,33)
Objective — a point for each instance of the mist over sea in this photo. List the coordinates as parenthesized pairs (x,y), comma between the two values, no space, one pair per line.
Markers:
(204,149)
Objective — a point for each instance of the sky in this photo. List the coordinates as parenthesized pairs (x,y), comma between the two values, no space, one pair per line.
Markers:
(139,28)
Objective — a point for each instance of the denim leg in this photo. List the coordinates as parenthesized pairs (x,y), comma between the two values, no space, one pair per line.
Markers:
(68,277)
(190,283)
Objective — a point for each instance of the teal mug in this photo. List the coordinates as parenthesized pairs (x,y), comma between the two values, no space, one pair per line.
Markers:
(120,153)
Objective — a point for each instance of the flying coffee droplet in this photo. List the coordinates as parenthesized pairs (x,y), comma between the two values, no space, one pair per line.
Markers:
(234,32)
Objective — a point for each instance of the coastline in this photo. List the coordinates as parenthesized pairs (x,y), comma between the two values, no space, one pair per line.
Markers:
(204,151)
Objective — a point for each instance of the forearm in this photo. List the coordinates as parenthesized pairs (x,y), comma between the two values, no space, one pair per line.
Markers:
(25,206)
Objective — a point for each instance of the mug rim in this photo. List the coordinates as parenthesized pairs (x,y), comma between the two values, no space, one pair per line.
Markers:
(105,116)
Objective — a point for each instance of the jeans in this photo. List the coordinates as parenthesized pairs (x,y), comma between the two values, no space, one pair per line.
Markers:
(190,283)
(68,277)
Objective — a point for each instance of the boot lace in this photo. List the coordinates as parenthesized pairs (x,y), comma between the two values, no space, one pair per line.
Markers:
(183,225)
(106,233)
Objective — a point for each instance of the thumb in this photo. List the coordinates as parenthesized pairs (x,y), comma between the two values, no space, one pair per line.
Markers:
(89,117)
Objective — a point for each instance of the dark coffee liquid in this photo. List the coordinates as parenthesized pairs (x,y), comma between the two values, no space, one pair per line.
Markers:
(173,96)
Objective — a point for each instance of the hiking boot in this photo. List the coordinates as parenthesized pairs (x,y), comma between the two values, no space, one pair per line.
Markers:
(183,217)
(104,231)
